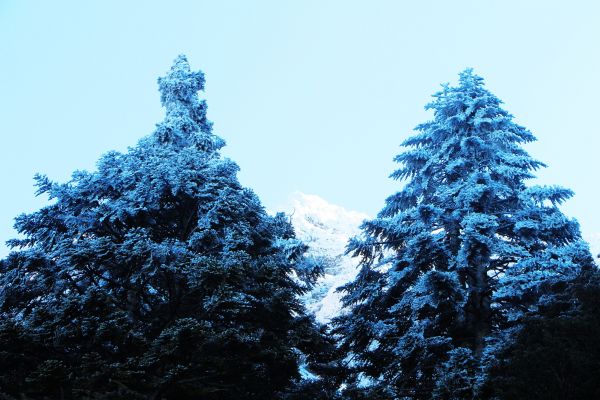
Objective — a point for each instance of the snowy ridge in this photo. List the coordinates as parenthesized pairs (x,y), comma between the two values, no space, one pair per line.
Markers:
(326,228)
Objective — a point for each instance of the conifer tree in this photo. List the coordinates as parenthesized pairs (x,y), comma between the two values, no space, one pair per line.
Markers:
(158,276)
(556,354)
(458,256)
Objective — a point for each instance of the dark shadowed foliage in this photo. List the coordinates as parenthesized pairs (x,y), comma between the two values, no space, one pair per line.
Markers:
(556,355)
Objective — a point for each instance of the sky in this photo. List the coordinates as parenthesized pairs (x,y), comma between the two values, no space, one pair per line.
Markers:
(311,96)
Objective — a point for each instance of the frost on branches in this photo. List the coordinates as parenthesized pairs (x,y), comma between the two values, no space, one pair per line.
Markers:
(458,256)
(156,276)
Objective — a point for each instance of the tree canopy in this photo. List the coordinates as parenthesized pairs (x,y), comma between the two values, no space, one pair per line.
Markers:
(156,276)
(458,256)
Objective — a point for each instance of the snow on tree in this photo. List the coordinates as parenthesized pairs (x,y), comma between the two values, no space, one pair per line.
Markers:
(458,256)
(156,276)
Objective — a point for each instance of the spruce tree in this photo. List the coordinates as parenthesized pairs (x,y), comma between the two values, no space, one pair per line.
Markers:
(556,354)
(459,256)
(157,276)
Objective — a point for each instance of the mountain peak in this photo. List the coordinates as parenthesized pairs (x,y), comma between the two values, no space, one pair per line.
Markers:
(326,229)
(316,210)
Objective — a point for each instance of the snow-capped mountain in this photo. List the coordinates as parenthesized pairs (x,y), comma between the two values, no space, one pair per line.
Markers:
(326,228)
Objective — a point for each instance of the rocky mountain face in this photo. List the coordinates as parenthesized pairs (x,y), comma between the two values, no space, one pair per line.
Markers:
(326,228)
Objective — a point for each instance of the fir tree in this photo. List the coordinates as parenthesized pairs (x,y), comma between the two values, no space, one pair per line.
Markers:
(459,256)
(158,276)
(556,355)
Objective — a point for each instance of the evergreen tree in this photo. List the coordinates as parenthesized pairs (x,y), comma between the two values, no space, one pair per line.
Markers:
(458,257)
(158,276)
(556,355)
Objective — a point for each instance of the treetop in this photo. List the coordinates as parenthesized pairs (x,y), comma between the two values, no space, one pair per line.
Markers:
(180,84)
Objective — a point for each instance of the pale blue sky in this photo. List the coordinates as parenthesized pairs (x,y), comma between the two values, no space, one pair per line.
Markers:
(312,96)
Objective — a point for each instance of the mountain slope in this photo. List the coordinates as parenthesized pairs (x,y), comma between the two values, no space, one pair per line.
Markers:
(326,228)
